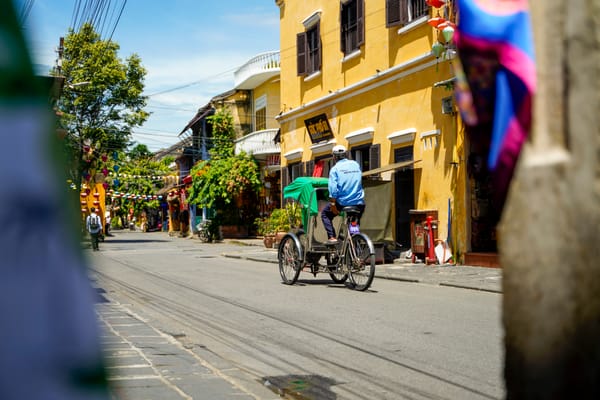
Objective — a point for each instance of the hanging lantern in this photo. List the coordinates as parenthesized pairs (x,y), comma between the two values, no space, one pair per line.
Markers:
(105,185)
(83,209)
(105,171)
(83,202)
(104,157)
(116,182)
(437,49)
(116,168)
(96,203)
(448,33)
(435,3)
(96,194)
(436,21)
(83,194)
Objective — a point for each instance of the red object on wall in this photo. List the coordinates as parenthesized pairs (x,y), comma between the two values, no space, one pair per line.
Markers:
(430,240)
(435,3)
(318,171)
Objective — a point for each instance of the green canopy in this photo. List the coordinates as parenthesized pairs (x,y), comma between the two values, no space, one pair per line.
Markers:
(301,190)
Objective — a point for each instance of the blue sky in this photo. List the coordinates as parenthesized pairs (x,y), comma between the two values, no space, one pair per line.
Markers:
(193,43)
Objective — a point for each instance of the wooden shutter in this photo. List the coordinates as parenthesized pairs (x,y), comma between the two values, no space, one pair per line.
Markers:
(301,50)
(343,28)
(360,22)
(403,12)
(392,8)
(309,167)
(375,159)
(285,177)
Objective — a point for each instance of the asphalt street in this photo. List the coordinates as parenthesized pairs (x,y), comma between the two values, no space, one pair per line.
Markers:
(144,363)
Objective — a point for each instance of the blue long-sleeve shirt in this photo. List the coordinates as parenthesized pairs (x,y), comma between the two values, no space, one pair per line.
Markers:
(345,183)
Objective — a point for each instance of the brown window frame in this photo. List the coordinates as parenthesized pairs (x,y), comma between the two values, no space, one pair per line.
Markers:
(261,119)
(402,12)
(352,25)
(308,46)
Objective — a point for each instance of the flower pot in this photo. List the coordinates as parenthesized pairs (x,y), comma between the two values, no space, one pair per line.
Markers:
(269,241)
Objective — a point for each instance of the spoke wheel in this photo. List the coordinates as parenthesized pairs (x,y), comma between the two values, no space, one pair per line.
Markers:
(335,270)
(362,267)
(289,260)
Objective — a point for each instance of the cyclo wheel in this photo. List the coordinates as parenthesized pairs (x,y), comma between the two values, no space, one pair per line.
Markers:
(290,259)
(335,269)
(362,267)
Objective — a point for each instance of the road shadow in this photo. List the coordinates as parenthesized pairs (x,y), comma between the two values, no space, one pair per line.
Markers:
(301,387)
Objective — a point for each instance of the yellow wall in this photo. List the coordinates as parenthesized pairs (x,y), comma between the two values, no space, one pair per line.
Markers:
(400,96)
(271,89)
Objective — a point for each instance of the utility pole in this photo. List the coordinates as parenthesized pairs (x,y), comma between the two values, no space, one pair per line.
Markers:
(59,59)
(550,231)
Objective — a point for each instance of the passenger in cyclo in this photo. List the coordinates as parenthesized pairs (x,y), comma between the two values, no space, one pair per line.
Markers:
(345,189)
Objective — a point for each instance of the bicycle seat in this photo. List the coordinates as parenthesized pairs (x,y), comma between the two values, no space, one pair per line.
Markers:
(351,210)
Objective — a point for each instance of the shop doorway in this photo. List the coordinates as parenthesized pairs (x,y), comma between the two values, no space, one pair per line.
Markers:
(404,187)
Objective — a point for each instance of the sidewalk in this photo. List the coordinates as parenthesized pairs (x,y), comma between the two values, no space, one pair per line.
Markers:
(144,363)
(459,276)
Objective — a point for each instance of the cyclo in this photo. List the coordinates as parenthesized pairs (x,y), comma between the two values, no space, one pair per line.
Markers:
(352,259)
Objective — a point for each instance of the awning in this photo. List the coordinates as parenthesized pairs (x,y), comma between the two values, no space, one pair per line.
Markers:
(390,167)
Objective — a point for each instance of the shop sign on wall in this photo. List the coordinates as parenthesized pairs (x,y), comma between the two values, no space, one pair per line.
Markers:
(318,128)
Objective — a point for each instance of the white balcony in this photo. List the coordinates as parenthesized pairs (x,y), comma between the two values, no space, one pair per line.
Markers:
(259,143)
(257,70)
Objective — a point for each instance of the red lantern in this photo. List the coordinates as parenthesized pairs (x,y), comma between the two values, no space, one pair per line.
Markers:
(96,194)
(435,3)
(436,21)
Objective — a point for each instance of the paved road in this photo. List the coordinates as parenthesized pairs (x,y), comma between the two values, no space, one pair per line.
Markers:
(182,321)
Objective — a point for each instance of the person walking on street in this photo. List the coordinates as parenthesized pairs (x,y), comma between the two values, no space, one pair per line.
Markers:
(93,223)
(107,220)
(345,189)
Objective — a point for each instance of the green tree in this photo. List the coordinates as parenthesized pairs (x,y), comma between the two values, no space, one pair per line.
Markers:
(139,175)
(226,176)
(140,151)
(102,99)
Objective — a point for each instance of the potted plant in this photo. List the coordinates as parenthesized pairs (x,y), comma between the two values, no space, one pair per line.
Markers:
(280,222)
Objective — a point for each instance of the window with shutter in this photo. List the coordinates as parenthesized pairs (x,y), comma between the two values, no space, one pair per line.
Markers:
(285,177)
(392,11)
(375,159)
(352,25)
(401,12)
(309,167)
(313,41)
(301,53)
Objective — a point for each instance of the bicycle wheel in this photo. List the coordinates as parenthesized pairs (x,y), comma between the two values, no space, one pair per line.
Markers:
(336,271)
(289,255)
(361,267)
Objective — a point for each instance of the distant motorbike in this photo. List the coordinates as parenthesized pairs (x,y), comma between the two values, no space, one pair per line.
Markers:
(204,231)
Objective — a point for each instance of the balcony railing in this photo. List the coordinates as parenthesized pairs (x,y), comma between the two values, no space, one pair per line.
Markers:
(258,143)
(257,70)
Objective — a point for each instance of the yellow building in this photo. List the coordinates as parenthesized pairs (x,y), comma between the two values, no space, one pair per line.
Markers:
(363,74)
